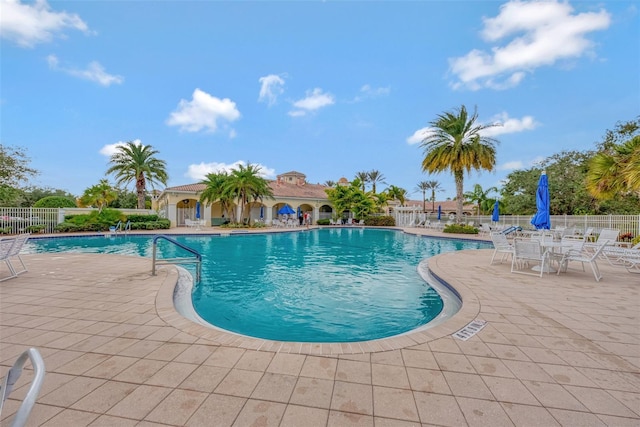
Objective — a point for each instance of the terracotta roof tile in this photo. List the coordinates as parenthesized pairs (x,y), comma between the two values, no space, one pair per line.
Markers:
(305,191)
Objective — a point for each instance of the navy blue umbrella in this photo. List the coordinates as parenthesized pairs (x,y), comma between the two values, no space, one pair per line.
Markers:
(496,212)
(299,212)
(439,212)
(286,210)
(197,210)
(542,219)
(261,212)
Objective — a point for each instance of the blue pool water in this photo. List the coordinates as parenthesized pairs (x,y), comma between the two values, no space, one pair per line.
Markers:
(329,285)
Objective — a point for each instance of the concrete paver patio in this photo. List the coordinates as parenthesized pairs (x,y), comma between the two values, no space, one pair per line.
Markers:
(556,351)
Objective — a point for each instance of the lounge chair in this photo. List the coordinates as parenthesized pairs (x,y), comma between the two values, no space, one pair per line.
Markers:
(6,385)
(583,256)
(501,245)
(6,245)
(19,242)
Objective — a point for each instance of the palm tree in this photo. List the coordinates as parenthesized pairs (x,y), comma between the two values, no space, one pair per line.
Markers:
(456,143)
(364,178)
(397,193)
(615,172)
(215,192)
(99,195)
(374,177)
(330,183)
(479,196)
(429,185)
(136,162)
(245,184)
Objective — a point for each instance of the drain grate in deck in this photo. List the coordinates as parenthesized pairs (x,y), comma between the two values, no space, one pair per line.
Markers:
(470,330)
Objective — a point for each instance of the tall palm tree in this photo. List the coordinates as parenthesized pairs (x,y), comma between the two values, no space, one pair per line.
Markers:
(137,162)
(479,196)
(616,171)
(246,185)
(364,178)
(330,183)
(374,177)
(456,143)
(425,186)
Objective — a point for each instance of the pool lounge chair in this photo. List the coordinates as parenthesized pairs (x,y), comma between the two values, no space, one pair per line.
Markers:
(583,256)
(14,253)
(6,245)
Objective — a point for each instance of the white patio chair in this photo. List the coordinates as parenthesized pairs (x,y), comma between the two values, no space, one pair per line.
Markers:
(19,242)
(568,243)
(631,260)
(6,386)
(527,252)
(501,245)
(485,229)
(6,245)
(608,235)
(615,254)
(583,256)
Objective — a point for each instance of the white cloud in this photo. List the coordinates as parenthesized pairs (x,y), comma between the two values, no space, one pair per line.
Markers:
(30,24)
(509,125)
(200,171)
(506,125)
(313,101)
(111,149)
(537,33)
(94,72)
(419,135)
(520,164)
(271,87)
(203,112)
(368,92)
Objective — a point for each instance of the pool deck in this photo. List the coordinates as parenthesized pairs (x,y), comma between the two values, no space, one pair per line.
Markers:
(555,351)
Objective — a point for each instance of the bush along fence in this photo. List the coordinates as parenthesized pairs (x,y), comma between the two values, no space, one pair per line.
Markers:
(51,220)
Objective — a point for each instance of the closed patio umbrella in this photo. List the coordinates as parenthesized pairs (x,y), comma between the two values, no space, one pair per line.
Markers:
(197,210)
(439,212)
(261,212)
(542,219)
(496,212)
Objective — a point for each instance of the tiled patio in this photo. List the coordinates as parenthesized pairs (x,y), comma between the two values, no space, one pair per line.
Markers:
(556,351)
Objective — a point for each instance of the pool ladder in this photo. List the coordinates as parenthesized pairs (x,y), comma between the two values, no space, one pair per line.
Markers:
(197,260)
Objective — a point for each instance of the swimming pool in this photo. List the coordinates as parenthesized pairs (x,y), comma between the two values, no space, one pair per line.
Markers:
(328,285)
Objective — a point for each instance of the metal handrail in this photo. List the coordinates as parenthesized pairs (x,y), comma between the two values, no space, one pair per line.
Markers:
(20,419)
(197,261)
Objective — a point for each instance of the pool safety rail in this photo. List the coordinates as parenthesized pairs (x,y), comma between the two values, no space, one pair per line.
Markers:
(6,385)
(197,260)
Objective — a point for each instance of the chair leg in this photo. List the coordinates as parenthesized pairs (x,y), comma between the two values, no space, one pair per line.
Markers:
(596,270)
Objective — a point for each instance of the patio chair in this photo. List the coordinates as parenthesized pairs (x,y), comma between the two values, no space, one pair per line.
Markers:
(631,260)
(615,255)
(583,256)
(501,245)
(6,245)
(526,252)
(6,385)
(568,243)
(485,229)
(608,235)
(19,242)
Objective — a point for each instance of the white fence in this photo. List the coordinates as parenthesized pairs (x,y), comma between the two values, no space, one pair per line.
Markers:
(624,223)
(30,220)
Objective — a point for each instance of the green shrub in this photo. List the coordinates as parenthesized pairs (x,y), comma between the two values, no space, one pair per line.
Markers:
(141,218)
(5,230)
(323,221)
(460,229)
(55,202)
(67,227)
(38,228)
(380,221)
(94,221)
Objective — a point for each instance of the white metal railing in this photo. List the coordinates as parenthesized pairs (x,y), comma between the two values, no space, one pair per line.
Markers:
(44,220)
(624,223)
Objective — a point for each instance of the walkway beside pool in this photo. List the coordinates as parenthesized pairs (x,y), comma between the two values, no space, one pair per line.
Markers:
(556,351)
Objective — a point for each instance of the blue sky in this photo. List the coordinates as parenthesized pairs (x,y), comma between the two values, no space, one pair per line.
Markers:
(324,88)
